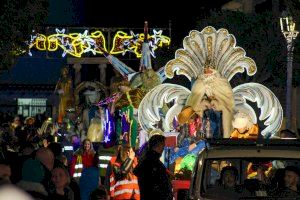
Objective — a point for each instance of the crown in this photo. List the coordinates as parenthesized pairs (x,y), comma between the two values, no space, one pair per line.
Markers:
(209,63)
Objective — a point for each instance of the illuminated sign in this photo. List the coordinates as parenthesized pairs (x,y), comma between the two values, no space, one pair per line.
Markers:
(74,44)
(123,42)
(77,44)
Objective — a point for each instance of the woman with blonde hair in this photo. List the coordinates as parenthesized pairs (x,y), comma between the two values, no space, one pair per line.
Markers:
(82,158)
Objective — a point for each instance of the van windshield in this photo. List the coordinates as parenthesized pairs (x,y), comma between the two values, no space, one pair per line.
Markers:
(251,178)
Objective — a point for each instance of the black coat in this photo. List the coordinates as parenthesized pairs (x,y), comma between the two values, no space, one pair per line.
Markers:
(154,181)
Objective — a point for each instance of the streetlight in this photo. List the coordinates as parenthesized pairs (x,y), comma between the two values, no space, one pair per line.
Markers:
(287,26)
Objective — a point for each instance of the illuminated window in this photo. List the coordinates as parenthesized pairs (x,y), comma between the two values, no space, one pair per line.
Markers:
(31,107)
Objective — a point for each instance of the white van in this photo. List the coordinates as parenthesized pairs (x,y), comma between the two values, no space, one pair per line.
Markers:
(259,169)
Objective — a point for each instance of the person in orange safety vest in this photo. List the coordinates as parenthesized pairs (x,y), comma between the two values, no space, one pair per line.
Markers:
(123,183)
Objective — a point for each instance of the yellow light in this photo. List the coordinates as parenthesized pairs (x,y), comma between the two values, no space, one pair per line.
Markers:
(40,42)
(76,44)
(52,44)
(120,37)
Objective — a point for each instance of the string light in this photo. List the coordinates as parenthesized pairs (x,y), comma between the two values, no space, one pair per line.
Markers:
(74,44)
(123,42)
(77,44)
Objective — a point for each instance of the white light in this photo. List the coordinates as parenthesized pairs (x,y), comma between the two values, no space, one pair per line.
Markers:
(68,148)
(103,166)
(104,157)
(77,175)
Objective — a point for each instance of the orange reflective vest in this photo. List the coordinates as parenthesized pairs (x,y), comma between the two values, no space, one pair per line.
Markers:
(124,188)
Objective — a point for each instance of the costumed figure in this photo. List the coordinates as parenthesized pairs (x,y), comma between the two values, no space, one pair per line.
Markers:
(69,122)
(95,131)
(125,106)
(210,59)
(243,127)
(92,118)
(64,88)
(140,83)
(115,82)
(212,91)
(189,140)
(47,130)
(92,110)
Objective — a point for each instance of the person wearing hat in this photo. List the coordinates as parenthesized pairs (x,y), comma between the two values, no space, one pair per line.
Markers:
(210,91)
(243,127)
(32,176)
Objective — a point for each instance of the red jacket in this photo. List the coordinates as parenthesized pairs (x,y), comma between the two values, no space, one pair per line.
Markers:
(87,161)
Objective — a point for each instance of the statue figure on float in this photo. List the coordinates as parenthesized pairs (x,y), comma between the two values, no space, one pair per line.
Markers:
(210,59)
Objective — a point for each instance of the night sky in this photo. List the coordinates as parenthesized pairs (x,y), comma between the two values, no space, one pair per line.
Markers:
(106,14)
(131,14)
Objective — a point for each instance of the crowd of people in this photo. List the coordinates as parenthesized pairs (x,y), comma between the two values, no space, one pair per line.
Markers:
(34,160)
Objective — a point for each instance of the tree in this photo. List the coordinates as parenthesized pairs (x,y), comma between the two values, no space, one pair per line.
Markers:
(17,20)
(260,35)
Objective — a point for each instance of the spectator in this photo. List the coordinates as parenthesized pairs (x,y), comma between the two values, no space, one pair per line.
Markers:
(56,149)
(90,179)
(82,158)
(46,157)
(47,139)
(32,176)
(25,152)
(61,180)
(62,161)
(99,194)
(153,179)
(5,173)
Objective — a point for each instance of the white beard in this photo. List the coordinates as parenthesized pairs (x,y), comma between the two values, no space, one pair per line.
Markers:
(208,82)
(219,90)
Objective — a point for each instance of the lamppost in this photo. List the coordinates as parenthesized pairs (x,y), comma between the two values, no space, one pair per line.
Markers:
(287,26)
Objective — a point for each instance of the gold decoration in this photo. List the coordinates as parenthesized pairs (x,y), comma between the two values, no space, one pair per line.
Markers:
(209,47)
(136,96)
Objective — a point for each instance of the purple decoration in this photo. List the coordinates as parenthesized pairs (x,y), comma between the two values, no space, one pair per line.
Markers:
(76,143)
(109,132)
(125,124)
(108,100)
(175,122)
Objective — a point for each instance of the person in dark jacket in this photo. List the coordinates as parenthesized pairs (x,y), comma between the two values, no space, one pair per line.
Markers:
(32,175)
(153,178)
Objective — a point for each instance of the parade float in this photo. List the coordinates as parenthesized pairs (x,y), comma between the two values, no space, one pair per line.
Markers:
(211,109)
(130,91)
(141,105)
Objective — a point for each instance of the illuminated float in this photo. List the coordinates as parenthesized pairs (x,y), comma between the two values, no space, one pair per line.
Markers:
(132,88)
(209,59)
